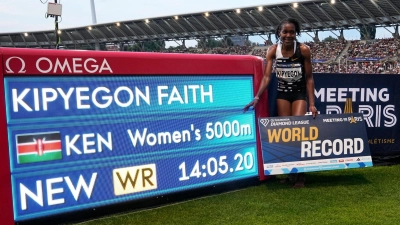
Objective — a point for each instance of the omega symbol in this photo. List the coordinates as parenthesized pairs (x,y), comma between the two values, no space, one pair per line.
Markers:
(9,70)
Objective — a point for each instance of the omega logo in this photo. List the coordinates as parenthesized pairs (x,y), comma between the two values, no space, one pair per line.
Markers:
(9,70)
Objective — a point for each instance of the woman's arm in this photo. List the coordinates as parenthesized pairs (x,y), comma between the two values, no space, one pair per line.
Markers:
(266,78)
(305,51)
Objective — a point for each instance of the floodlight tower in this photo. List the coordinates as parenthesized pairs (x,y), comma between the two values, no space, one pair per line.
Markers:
(54,10)
(56,29)
(94,21)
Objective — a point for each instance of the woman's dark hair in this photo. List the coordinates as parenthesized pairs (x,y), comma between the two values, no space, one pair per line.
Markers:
(287,20)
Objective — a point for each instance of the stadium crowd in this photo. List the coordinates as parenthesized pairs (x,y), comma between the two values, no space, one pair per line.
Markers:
(326,50)
(361,56)
(233,50)
(260,52)
(187,50)
(323,51)
(373,49)
(358,67)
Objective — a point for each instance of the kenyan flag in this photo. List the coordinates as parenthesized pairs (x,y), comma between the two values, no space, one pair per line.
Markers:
(38,147)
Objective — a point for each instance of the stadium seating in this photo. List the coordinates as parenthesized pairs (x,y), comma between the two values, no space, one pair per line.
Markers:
(325,51)
(373,49)
(233,50)
(358,56)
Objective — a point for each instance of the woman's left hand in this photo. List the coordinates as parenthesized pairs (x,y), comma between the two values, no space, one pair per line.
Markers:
(313,110)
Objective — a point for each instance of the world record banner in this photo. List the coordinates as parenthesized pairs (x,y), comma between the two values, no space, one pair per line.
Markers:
(296,144)
(376,96)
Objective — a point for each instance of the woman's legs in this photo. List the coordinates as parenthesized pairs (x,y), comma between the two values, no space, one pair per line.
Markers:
(296,108)
(299,108)
(285,109)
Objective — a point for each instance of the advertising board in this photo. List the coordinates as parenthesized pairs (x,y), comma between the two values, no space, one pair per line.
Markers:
(297,144)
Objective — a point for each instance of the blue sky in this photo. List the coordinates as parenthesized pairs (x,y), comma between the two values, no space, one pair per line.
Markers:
(29,15)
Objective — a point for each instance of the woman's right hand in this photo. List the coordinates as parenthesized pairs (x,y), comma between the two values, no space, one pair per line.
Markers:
(251,104)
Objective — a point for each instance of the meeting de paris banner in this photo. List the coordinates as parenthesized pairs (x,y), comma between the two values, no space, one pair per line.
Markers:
(295,144)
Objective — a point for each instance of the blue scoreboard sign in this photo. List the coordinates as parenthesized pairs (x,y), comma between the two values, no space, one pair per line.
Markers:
(78,142)
(122,138)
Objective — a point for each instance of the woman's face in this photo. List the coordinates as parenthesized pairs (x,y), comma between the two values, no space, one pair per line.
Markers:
(287,33)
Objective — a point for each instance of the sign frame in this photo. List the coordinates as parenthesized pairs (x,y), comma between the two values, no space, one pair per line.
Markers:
(42,62)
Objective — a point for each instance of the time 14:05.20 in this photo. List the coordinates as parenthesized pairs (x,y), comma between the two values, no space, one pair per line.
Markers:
(213,166)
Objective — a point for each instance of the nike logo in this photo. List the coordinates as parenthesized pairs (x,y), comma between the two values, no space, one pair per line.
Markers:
(294,59)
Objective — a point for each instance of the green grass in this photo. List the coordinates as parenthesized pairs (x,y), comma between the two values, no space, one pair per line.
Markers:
(354,196)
